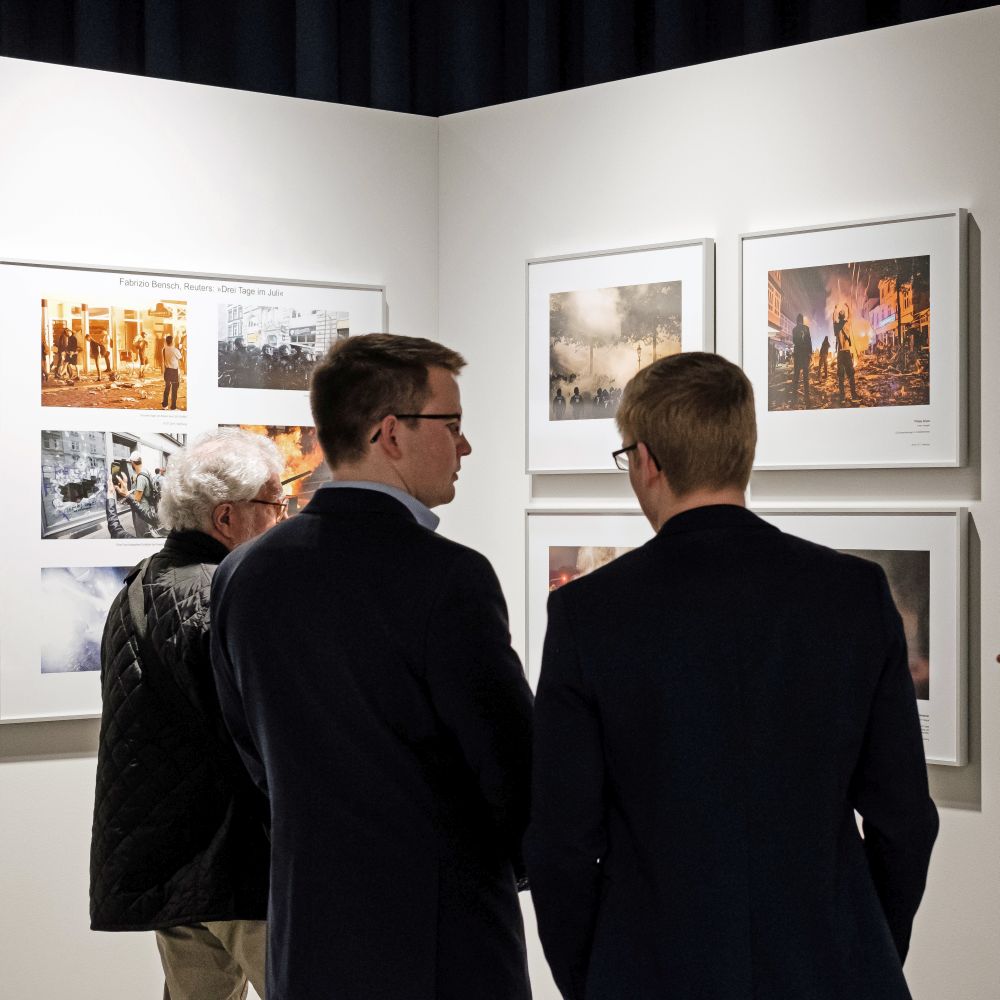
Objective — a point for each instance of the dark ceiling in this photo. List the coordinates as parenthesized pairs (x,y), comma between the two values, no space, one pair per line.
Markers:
(429,57)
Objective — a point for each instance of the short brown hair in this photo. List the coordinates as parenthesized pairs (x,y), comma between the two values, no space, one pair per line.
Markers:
(695,413)
(363,379)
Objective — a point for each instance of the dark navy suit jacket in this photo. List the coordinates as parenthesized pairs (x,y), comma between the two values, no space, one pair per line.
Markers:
(712,709)
(365,671)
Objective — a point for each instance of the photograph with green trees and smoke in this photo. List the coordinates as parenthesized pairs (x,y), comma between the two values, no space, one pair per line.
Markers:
(600,337)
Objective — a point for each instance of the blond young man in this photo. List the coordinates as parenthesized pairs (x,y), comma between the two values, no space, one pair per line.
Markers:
(705,732)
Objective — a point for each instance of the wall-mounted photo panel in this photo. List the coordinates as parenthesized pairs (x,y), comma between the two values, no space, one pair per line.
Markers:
(305,468)
(564,545)
(923,555)
(854,339)
(133,364)
(593,321)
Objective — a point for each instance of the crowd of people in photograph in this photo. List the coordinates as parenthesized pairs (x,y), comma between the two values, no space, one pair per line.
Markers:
(270,366)
(576,405)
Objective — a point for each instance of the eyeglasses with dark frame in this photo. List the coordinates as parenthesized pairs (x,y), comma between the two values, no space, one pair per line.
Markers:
(282,504)
(620,457)
(421,416)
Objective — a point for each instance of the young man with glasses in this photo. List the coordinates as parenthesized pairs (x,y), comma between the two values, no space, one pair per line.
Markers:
(706,730)
(365,669)
(179,841)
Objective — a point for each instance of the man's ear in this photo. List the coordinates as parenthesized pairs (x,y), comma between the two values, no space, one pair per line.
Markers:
(387,439)
(648,471)
(222,518)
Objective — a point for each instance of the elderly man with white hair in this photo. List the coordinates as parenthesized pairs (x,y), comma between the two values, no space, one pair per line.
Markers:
(180,837)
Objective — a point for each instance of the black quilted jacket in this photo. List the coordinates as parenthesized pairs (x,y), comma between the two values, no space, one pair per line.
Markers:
(179,830)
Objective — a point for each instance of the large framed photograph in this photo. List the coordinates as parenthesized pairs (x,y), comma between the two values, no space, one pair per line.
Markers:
(923,553)
(130,365)
(853,336)
(593,321)
(563,545)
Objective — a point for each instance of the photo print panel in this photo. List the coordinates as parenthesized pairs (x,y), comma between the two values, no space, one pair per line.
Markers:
(854,339)
(126,367)
(305,469)
(923,556)
(99,484)
(593,321)
(562,546)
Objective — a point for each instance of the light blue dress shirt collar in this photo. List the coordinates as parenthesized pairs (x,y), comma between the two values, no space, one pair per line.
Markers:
(424,515)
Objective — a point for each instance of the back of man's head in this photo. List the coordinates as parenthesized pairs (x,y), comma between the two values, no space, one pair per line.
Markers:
(225,466)
(695,413)
(364,379)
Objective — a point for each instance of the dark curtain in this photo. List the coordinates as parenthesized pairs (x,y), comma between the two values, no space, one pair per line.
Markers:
(430,57)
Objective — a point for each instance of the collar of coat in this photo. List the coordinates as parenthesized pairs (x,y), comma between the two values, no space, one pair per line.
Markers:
(185,547)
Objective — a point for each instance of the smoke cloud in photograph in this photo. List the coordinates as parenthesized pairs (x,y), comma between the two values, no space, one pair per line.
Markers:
(76,601)
(600,337)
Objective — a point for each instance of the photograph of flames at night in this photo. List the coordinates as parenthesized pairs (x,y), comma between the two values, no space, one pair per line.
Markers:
(570,562)
(305,470)
(849,335)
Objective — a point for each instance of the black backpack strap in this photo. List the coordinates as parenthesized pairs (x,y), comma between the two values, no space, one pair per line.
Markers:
(155,674)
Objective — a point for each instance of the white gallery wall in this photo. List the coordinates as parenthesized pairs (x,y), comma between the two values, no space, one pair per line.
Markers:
(103,169)
(106,169)
(885,123)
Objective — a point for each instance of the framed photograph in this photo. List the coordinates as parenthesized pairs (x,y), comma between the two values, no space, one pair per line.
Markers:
(853,336)
(132,363)
(923,553)
(563,545)
(593,321)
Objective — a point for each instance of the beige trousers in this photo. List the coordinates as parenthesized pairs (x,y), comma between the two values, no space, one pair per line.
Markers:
(213,961)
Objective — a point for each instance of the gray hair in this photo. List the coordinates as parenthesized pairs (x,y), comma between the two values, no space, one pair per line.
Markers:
(219,467)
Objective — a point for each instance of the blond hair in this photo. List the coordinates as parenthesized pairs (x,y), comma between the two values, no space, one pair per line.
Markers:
(695,413)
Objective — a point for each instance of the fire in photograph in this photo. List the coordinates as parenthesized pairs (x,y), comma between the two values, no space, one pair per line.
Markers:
(124,356)
(274,347)
(909,575)
(305,469)
(75,603)
(104,484)
(570,562)
(849,335)
(600,337)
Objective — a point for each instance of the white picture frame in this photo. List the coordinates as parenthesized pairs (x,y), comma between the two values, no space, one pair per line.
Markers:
(897,290)
(593,296)
(51,573)
(941,535)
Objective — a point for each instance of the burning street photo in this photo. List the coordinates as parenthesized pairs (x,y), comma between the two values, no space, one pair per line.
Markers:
(305,469)
(274,347)
(104,484)
(570,562)
(76,601)
(114,356)
(849,335)
(600,337)
(909,576)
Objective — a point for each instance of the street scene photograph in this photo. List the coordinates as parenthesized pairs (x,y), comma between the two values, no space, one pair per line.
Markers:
(114,356)
(909,574)
(76,600)
(600,337)
(274,347)
(104,484)
(849,335)
(305,469)
(570,562)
